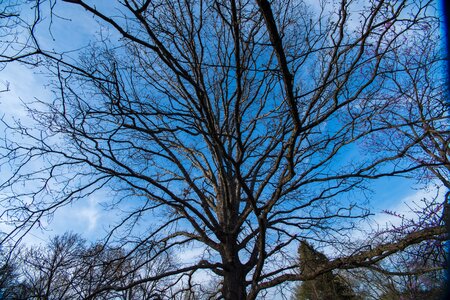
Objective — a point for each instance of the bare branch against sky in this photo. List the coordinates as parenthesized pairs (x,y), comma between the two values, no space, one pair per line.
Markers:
(239,127)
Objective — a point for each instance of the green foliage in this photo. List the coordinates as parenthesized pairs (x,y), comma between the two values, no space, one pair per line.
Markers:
(324,286)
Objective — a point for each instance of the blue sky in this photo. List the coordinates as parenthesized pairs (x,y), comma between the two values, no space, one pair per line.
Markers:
(87,216)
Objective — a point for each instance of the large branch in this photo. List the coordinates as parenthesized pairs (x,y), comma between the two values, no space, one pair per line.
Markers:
(277,43)
(364,258)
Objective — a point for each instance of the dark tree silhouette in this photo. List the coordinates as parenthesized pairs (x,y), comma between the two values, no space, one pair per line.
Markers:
(68,268)
(324,286)
(232,126)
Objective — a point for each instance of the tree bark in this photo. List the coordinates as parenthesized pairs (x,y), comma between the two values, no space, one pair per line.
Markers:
(233,287)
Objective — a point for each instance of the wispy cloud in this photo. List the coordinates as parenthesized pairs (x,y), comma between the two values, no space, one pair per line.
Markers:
(405,206)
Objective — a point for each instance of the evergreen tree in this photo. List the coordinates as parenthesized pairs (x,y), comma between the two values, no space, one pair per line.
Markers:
(324,286)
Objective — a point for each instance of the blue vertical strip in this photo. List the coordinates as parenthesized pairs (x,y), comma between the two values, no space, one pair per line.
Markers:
(445,12)
(446,15)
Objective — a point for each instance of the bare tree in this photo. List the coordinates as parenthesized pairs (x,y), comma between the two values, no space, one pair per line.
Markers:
(67,268)
(8,21)
(8,18)
(104,272)
(48,270)
(17,42)
(417,272)
(418,113)
(402,276)
(417,109)
(9,276)
(233,126)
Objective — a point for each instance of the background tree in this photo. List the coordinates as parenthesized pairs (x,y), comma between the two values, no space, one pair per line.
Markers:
(49,270)
(404,281)
(68,268)
(232,126)
(16,44)
(8,18)
(8,277)
(8,21)
(417,272)
(324,286)
(416,114)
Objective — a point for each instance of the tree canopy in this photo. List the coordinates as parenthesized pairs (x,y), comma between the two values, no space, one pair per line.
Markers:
(240,127)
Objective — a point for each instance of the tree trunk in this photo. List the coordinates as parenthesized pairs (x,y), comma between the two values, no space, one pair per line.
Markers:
(234,285)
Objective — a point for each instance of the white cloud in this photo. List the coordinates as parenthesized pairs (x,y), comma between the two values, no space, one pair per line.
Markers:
(89,214)
(80,217)
(191,255)
(405,207)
